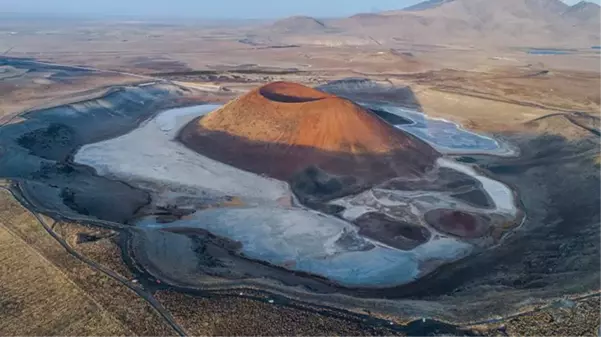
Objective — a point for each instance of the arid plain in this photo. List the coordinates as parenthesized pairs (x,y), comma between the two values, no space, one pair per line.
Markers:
(79,98)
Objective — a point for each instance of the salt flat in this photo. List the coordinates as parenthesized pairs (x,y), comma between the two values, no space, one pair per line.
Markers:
(308,241)
(150,156)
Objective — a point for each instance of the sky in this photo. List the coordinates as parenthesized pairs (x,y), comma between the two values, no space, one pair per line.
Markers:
(222,9)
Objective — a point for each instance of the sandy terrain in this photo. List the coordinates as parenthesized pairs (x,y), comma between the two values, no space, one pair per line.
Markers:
(48,291)
(25,90)
(65,308)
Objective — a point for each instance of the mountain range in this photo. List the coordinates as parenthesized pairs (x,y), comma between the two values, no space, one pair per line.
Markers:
(507,22)
(583,12)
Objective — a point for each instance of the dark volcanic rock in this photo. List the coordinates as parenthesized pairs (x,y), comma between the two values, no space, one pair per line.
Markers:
(314,185)
(395,233)
(53,142)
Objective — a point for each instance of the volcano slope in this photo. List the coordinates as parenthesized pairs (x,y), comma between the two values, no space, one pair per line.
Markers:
(324,145)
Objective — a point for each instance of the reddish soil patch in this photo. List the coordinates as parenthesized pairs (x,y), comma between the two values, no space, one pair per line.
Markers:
(461,224)
(283,128)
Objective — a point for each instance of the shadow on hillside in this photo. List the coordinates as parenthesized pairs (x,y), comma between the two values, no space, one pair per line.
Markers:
(367,91)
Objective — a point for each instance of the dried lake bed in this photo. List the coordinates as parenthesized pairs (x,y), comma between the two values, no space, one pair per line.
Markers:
(195,223)
(282,234)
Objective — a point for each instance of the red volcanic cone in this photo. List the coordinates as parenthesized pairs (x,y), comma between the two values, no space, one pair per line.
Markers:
(282,128)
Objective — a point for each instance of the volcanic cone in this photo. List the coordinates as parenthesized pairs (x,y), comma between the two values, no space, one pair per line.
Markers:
(319,142)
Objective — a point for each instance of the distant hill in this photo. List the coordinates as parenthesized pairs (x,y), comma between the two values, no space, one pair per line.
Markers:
(553,7)
(299,24)
(494,15)
(584,12)
(496,22)
(518,23)
(426,5)
(556,6)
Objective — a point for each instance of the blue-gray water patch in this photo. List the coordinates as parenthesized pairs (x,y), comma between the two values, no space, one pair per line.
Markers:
(446,136)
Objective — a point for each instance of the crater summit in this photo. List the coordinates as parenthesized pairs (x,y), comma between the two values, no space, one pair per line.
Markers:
(321,143)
